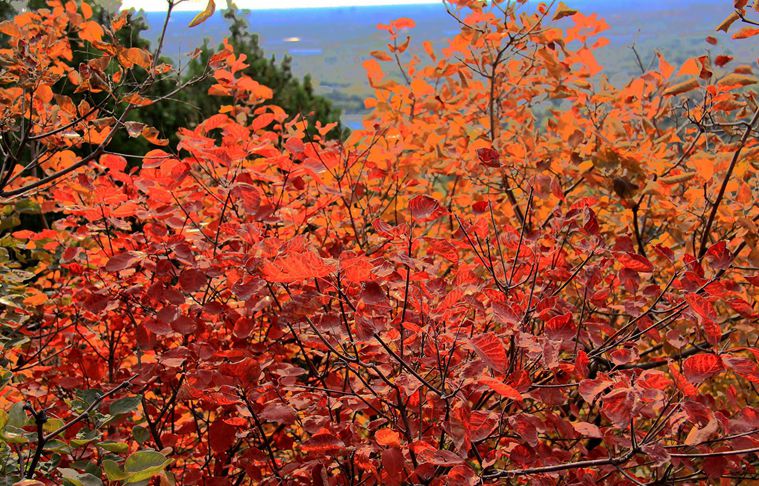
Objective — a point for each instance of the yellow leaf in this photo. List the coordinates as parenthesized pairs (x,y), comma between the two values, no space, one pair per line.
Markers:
(563,11)
(686,176)
(725,25)
(683,87)
(585,166)
(204,15)
(733,79)
(697,435)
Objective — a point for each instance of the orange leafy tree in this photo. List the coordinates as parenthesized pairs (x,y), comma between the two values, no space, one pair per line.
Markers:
(516,272)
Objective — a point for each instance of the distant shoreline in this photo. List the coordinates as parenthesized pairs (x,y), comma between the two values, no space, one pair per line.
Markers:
(583,5)
(299,5)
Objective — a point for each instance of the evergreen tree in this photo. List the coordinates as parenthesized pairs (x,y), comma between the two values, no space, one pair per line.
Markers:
(294,95)
(193,104)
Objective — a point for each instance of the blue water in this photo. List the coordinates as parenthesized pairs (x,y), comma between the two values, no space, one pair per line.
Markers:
(333,29)
(333,42)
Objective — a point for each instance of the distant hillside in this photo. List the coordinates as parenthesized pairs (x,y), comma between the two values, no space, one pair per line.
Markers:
(331,43)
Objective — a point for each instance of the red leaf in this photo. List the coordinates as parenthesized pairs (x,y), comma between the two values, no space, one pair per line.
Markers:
(243,327)
(441,457)
(745,367)
(424,208)
(490,350)
(184,325)
(482,424)
(480,206)
(742,307)
(324,443)
(701,306)
(591,388)
(712,331)
(685,387)
(221,436)
(155,158)
(489,157)
(654,380)
(356,269)
(582,363)
(634,262)
(560,327)
(122,261)
(617,406)
(192,280)
(722,60)
(701,367)
(587,429)
(279,413)
(719,255)
(392,463)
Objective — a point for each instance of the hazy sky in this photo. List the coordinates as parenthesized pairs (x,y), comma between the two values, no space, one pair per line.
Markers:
(157,5)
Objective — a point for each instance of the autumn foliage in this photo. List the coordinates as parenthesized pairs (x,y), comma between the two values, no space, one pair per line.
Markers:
(516,273)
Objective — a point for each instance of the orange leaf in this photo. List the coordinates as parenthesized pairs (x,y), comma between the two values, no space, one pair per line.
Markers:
(502,389)
(152,135)
(404,23)
(665,68)
(697,434)
(691,67)
(86,11)
(381,55)
(373,70)
(10,29)
(91,31)
(746,32)
(296,267)
(135,99)
(135,55)
(37,298)
(387,437)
